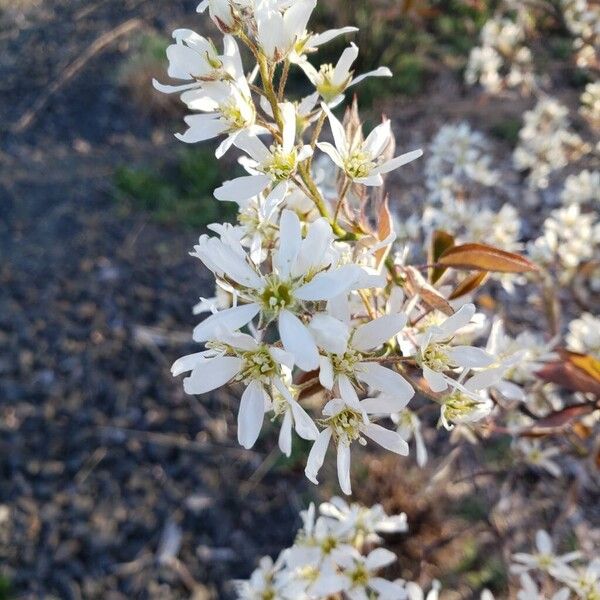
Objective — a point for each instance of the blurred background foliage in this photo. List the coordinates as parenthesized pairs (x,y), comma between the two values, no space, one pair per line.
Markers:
(416,40)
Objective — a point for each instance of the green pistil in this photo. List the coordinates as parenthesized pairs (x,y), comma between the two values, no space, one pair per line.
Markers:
(276,296)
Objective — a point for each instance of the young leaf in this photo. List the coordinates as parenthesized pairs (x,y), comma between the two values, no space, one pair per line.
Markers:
(440,242)
(577,372)
(481,257)
(468,284)
(427,292)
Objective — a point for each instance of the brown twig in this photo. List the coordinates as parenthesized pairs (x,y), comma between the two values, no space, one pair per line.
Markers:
(72,70)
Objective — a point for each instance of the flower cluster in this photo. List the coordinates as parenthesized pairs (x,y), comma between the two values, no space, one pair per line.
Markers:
(583,20)
(502,60)
(546,142)
(334,553)
(590,103)
(555,573)
(316,318)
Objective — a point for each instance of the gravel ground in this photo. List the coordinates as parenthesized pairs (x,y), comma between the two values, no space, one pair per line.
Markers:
(106,469)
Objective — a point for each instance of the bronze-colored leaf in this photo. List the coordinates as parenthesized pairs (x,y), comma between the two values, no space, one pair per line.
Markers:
(469,284)
(441,241)
(429,295)
(481,257)
(384,229)
(577,372)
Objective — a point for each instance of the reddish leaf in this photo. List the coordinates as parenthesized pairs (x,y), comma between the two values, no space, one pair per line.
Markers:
(577,372)
(481,257)
(427,292)
(441,241)
(468,284)
(384,228)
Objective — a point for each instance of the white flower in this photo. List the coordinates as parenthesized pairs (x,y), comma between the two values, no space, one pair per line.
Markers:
(544,559)
(239,357)
(331,82)
(533,454)
(280,28)
(584,335)
(195,58)
(529,591)
(546,142)
(347,423)
(360,573)
(590,103)
(357,520)
(224,13)
(467,402)
(363,161)
(584,581)
(304,270)
(582,188)
(435,353)
(308,43)
(267,166)
(347,351)
(262,582)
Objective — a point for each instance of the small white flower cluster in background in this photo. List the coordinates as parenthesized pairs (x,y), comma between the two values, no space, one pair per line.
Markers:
(583,188)
(590,103)
(502,60)
(569,238)
(546,142)
(583,20)
(584,335)
(336,555)
(458,159)
(544,572)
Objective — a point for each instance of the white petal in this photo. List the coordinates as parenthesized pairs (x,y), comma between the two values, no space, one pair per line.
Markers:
(385,380)
(380,72)
(201,128)
(436,381)
(322,38)
(297,339)
(376,332)
(229,319)
(390,440)
(330,334)
(378,139)
(379,558)
(251,414)
(459,319)
(543,542)
(337,130)
(314,249)
(332,152)
(344,64)
(469,356)
(288,114)
(316,455)
(290,239)
(387,590)
(325,372)
(304,425)
(187,363)
(347,392)
(242,188)
(173,89)
(371,180)
(212,374)
(252,146)
(285,434)
(383,404)
(329,284)
(399,161)
(343,467)
(282,357)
